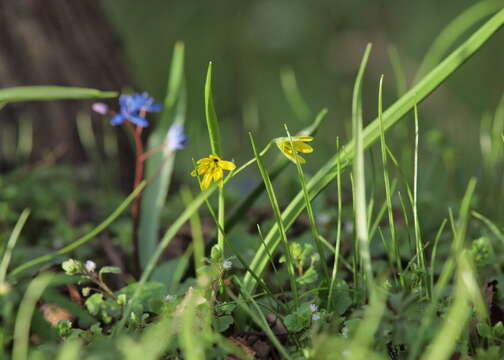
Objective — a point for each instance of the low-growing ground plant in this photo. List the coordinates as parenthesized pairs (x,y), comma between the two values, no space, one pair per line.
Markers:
(353,266)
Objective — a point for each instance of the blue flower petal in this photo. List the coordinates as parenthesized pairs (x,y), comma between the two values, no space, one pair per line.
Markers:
(117,119)
(154,108)
(138,120)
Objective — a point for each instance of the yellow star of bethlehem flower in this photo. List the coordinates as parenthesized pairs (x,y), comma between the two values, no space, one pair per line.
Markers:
(285,147)
(212,168)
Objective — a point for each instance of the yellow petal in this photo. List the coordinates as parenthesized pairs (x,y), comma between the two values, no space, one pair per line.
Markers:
(204,161)
(194,173)
(302,138)
(226,165)
(207,180)
(302,147)
(217,174)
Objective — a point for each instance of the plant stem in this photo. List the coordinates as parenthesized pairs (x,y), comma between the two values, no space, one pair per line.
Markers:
(135,206)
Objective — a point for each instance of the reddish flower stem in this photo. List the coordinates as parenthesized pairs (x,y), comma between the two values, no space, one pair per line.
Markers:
(135,206)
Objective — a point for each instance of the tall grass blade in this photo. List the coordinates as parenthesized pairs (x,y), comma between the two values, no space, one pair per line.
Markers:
(454,30)
(160,166)
(293,95)
(11,243)
(25,314)
(278,219)
(44,93)
(361,223)
(309,210)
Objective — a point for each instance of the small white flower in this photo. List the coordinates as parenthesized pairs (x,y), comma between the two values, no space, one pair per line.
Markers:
(313,308)
(169,297)
(324,219)
(227,265)
(344,332)
(90,266)
(315,316)
(347,353)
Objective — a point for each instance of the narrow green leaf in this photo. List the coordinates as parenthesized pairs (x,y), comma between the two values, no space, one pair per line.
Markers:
(293,95)
(211,116)
(43,93)
(362,235)
(159,167)
(454,30)
(11,243)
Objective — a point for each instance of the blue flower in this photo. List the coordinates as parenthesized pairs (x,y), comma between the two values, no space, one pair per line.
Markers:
(175,138)
(133,108)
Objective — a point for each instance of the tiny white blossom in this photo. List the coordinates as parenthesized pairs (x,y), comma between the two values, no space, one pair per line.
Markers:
(227,265)
(347,353)
(90,266)
(315,316)
(169,297)
(344,332)
(313,308)
(324,219)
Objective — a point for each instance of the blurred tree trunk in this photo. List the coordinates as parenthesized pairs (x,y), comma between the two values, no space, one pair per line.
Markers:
(54,42)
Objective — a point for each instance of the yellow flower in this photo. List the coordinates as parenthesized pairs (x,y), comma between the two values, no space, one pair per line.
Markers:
(212,167)
(285,147)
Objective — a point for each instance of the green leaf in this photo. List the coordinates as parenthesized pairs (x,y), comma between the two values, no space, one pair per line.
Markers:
(484,330)
(150,291)
(211,116)
(222,323)
(300,319)
(94,303)
(309,277)
(109,270)
(43,93)
(160,166)
(342,299)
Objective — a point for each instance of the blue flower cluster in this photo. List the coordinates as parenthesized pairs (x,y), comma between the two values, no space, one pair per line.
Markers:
(133,108)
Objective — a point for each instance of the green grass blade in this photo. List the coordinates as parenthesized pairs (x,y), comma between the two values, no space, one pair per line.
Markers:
(293,95)
(25,313)
(11,243)
(44,93)
(160,166)
(399,75)
(361,226)
(454,30)
(278,219)
(371,133)
(196,232)
(215,143)
(309,210)
(90,235)
(395,255)
(416,221)
(211,116)
(337,246)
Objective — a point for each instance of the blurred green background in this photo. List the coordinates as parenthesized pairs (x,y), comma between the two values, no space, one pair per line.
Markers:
(250,42)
